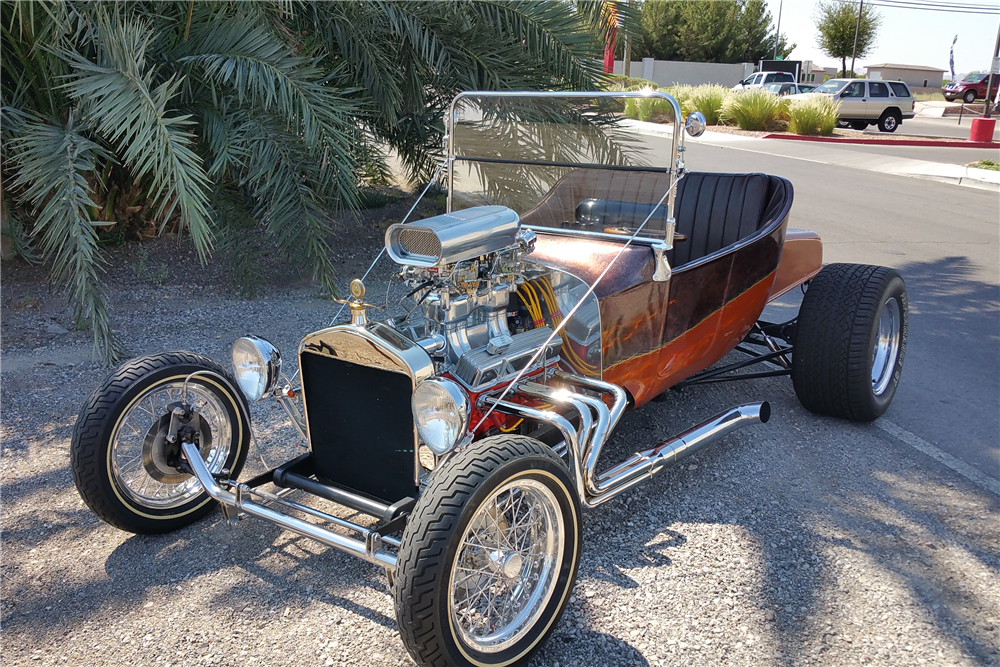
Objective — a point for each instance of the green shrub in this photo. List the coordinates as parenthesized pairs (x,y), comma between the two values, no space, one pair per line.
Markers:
(992,165)
(708,99)
(817,115)
(621,82)
(631,108)
(682,93)
(755,109)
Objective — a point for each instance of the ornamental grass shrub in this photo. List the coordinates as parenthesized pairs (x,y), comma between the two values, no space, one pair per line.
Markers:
(682,93)
(817,115)
(709,100)
(755,110)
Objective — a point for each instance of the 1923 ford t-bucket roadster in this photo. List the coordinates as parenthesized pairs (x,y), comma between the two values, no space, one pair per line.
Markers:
(568,282)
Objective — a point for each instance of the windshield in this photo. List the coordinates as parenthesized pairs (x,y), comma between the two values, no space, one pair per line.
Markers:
(832,87)
(974,77)
(551,156)
(773,87)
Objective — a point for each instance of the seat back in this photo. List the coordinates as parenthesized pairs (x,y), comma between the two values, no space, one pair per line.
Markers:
(716,210)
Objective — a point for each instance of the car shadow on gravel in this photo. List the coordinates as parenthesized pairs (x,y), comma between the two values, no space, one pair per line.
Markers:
(814,513)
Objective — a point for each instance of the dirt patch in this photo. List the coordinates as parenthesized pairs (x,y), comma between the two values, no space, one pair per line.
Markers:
(167,270)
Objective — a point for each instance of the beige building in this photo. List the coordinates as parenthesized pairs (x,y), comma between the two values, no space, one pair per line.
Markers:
(915,76)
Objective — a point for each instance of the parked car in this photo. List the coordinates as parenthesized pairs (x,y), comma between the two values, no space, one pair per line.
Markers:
(760,78)
(469,429)
(971,88)
(864,102)
(783,89)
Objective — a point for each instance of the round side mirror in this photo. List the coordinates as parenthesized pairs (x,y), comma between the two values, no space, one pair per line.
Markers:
(695,124)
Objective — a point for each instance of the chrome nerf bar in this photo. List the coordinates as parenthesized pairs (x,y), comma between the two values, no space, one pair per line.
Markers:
(368,549)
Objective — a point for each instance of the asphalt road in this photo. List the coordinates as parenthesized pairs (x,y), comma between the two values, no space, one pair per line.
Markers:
(938,127)
(944,240)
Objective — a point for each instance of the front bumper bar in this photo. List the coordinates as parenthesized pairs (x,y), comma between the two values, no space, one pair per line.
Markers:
(369,547)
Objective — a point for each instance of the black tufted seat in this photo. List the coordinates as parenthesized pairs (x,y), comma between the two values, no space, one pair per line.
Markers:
(717,210)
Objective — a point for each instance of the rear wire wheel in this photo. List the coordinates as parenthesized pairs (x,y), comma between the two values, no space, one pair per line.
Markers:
(489,555)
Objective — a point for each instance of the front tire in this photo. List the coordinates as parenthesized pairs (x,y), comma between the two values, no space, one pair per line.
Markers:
(859,125)
(489,556)
(850,340)
(117,451)
(969,97)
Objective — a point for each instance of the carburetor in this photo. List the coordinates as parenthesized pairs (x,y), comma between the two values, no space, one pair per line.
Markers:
(462,268)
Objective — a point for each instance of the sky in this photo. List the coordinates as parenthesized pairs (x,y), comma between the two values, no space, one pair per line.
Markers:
(907,36)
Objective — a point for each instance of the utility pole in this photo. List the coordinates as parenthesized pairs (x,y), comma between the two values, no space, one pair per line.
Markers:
(989,82)
(777,31)
(627,51)
(857,29)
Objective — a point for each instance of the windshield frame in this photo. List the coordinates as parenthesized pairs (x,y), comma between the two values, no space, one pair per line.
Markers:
(676,138)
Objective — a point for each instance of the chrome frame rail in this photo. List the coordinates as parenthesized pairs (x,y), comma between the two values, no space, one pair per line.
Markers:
(369,548)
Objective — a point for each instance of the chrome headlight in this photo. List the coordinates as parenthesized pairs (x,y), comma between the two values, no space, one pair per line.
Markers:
(441,412)
(256,364)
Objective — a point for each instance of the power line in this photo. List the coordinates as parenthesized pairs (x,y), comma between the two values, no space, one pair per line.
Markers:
(945,5)
(954,9)
(936,6)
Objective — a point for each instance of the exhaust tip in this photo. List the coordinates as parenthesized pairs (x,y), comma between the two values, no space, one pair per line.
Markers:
(765,412)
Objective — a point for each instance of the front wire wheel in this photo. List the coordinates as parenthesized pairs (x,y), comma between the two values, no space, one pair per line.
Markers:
(118,452)
(489,555)
(506,565)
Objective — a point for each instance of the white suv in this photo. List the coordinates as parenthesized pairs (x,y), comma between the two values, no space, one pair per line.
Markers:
(864,102)
(760,78)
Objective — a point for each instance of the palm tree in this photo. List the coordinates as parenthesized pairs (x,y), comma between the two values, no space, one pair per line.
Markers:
(220,118)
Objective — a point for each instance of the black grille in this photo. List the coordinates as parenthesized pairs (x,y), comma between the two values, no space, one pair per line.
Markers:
(360,426)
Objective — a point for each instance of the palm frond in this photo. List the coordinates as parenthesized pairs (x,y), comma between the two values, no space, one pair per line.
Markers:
(287,200)
(52,161)
(550,32)
(247,59)
(135,116)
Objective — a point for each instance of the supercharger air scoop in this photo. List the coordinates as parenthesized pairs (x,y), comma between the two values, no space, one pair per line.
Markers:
(453,237)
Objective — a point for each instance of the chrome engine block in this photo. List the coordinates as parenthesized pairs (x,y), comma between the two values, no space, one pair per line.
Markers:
(463,268)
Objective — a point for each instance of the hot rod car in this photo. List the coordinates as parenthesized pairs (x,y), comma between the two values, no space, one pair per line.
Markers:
(570,280)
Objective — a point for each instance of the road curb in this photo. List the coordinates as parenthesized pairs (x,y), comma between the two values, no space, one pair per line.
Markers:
(887,142)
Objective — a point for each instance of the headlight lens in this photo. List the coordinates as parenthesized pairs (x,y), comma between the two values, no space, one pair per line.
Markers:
(441,412)
(256,364)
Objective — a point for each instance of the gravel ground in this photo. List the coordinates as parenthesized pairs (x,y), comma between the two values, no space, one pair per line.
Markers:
(806,541)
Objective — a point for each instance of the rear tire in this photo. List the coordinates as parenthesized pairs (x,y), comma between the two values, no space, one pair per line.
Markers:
(859,125)
(116,451)
(850,340)
(889,121)
(497,528)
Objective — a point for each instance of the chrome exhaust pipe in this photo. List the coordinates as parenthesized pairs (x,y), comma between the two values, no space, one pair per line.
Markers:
(643,465)
(368,550)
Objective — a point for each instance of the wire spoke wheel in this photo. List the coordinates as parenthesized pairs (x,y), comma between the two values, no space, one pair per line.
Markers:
(505,569)
(489,555)
(119,452)
(137,459)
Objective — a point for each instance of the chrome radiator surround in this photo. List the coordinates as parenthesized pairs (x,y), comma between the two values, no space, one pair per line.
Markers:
(376,347)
